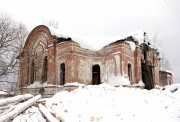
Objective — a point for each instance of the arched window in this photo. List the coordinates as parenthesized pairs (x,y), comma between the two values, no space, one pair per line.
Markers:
(96,75)
(130,72)
(32,72)
(62,74)
(45,69)
(169,82)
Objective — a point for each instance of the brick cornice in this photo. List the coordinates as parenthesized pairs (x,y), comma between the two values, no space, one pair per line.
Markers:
(41,29)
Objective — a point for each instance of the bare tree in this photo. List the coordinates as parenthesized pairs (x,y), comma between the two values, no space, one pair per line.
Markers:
(164,62)
(12,37)
(52,23)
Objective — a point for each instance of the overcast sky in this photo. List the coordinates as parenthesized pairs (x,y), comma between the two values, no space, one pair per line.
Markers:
(106,18)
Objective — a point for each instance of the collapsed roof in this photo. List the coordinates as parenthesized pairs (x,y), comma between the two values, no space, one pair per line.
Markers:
(96,43)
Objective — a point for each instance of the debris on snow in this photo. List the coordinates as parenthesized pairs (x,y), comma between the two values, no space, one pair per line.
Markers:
(32,114)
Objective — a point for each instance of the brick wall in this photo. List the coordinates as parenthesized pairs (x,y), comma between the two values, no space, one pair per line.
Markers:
(165,78)
(79,62)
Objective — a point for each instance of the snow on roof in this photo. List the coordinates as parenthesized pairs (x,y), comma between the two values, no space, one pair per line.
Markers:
(96,43)
(166,70)
(132,45)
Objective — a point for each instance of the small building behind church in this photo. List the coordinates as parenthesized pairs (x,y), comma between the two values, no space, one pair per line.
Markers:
(59,60)
(165,77)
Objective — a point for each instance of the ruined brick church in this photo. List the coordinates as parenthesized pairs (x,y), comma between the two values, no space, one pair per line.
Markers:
(58,60)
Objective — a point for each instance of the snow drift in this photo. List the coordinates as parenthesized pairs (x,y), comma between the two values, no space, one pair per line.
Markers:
(105,103)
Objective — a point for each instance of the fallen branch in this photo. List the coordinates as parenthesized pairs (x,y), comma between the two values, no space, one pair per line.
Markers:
(19,108)
(16,99)
(47,114)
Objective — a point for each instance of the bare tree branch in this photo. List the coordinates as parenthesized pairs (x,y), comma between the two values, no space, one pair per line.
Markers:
(52,23)
(12,38)
(164,62)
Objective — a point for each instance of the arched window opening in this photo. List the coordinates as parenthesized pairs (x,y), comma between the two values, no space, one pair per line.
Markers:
(62,74)
(130,72)
(96,75)
(32,72)
(45,69)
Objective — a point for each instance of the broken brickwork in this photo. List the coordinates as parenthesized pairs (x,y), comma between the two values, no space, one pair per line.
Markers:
(55,60)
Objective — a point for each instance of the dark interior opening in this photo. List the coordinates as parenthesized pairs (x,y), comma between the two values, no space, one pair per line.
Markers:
(130,72)
(61,39)
(45,69)
(147,76)
(96,75)
(62,74)
(32,72)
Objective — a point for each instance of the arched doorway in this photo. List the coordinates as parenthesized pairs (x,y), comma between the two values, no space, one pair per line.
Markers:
(45,69)
(96,75)
(130,72)
(62,74)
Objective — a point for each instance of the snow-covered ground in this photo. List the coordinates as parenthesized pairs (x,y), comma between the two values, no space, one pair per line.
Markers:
(105,103)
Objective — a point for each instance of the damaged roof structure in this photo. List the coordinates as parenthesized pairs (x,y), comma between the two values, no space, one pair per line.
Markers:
(54,57)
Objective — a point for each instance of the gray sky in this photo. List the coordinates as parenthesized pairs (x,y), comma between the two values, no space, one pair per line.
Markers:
(107,18)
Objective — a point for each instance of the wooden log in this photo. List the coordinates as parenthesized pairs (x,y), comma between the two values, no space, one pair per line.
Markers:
(32,114)
(15,99)
(4,107)
(47,114)
(5,111)
(19,108)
